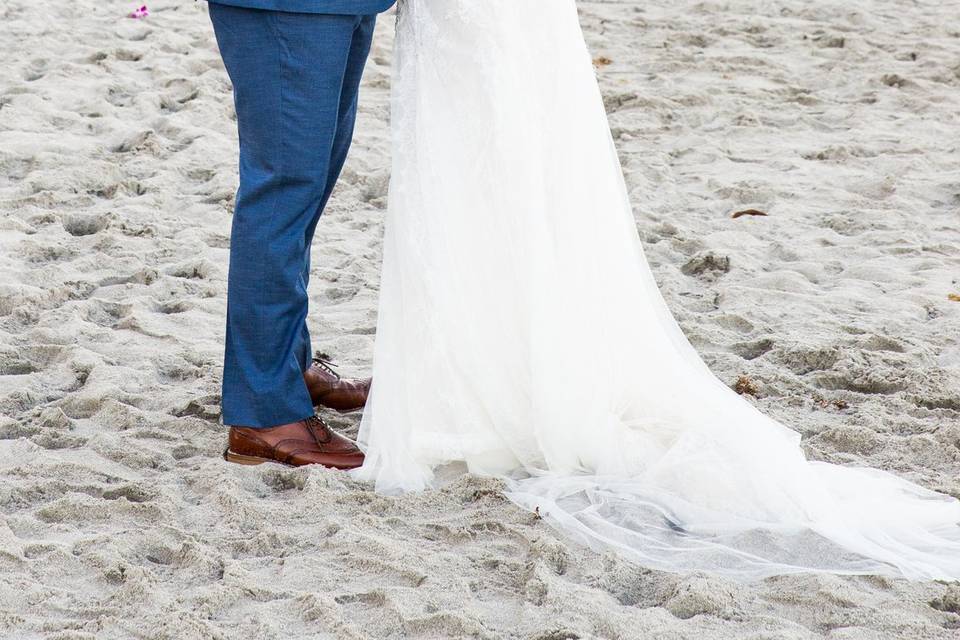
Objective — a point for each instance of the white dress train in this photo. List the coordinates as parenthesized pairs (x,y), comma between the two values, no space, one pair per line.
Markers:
(522,333)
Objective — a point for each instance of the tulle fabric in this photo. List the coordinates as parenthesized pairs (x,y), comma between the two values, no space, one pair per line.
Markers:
(522,333)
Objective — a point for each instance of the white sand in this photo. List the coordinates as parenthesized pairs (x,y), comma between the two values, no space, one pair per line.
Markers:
(117,172)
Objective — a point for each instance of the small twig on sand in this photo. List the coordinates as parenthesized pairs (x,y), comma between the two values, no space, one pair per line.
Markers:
(749,212)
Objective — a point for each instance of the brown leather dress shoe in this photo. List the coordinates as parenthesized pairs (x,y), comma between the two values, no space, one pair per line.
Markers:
(328,389)
(296,444)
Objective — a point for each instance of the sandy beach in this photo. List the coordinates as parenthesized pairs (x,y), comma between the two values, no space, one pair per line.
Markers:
(838,313)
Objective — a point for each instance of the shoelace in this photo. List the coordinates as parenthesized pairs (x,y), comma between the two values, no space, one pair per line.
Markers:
(314,424)
(327,366)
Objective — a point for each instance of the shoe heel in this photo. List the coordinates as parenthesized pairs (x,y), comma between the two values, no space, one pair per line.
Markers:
(238,458)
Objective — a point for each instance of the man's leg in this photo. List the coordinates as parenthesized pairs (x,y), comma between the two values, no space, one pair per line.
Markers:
(288,70)
(359,49)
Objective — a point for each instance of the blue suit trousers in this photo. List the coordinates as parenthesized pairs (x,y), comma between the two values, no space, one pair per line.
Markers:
(295,82)
(349,7)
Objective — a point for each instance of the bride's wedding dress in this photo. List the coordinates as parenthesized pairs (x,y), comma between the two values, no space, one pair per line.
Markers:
(521,331)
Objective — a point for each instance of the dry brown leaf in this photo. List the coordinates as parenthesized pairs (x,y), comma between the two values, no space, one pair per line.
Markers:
(953,296)
(745,386)
(602,61)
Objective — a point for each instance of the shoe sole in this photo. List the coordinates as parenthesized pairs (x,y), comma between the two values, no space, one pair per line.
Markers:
(239,458)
